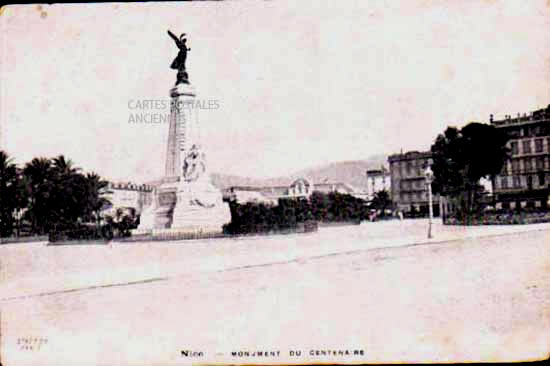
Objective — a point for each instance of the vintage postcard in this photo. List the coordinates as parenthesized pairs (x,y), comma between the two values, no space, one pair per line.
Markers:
(275,182)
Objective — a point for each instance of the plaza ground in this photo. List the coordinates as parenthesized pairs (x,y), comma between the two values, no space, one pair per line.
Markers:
(471,293)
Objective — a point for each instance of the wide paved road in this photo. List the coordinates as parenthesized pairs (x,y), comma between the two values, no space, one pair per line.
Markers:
(469,294)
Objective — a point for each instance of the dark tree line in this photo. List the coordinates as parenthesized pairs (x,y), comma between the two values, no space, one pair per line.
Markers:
(291,213)
(461,157)
(48,194)
(336,207)
(253,217)
(381,202)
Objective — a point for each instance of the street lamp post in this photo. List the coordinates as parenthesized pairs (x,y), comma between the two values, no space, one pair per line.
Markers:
(429,175)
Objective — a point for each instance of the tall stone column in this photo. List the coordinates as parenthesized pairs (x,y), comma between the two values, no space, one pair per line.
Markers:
(183,124)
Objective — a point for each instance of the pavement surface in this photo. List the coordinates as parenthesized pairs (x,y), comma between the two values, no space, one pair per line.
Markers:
(382,292)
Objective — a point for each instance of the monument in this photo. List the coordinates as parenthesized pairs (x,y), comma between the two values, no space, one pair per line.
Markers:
(185,201)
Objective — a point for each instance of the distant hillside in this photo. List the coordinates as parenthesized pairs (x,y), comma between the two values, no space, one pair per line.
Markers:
(350,172)
(223,181)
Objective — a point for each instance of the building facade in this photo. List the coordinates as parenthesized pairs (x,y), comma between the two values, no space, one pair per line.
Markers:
(128,196)
(525,177)
(301,187)
(409,190)
(378,180)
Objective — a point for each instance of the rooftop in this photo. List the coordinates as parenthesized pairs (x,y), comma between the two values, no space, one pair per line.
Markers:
(540,115)
(129,186)
(410,155)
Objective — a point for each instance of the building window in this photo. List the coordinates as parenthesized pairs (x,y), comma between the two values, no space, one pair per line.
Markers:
(541,180)
(517,181)
(527,146)
(540,163)
(527,164)
(515,166)
(514,146)
(538,145)
(504,182)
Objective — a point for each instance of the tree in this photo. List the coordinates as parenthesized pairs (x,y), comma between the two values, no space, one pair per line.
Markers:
(254,217)
(381,201)
(53,194)
(38,176)
(60,196)
(319,205)
(9,186)
(68,193)
(96,189)
(123,221)
(335,206)
(462,157)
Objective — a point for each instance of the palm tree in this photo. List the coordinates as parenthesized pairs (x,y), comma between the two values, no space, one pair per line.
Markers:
(40,182)
(64,166)
(70,190)
(60,196)
(8,193)
(96,189)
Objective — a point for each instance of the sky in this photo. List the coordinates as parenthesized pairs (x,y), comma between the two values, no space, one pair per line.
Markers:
(296,83)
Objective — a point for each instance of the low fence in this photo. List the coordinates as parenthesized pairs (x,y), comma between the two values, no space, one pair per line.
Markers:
(61,238)
(23,239)
(339,223)
(505,218)
(172,235)
(80,242)
(165,236)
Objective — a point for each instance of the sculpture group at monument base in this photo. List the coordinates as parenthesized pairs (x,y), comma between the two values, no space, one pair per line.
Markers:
(181,208)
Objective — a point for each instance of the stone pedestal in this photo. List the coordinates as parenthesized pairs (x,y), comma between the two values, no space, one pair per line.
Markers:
(199,205)
(159,214)
(147,219)
(180,206)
